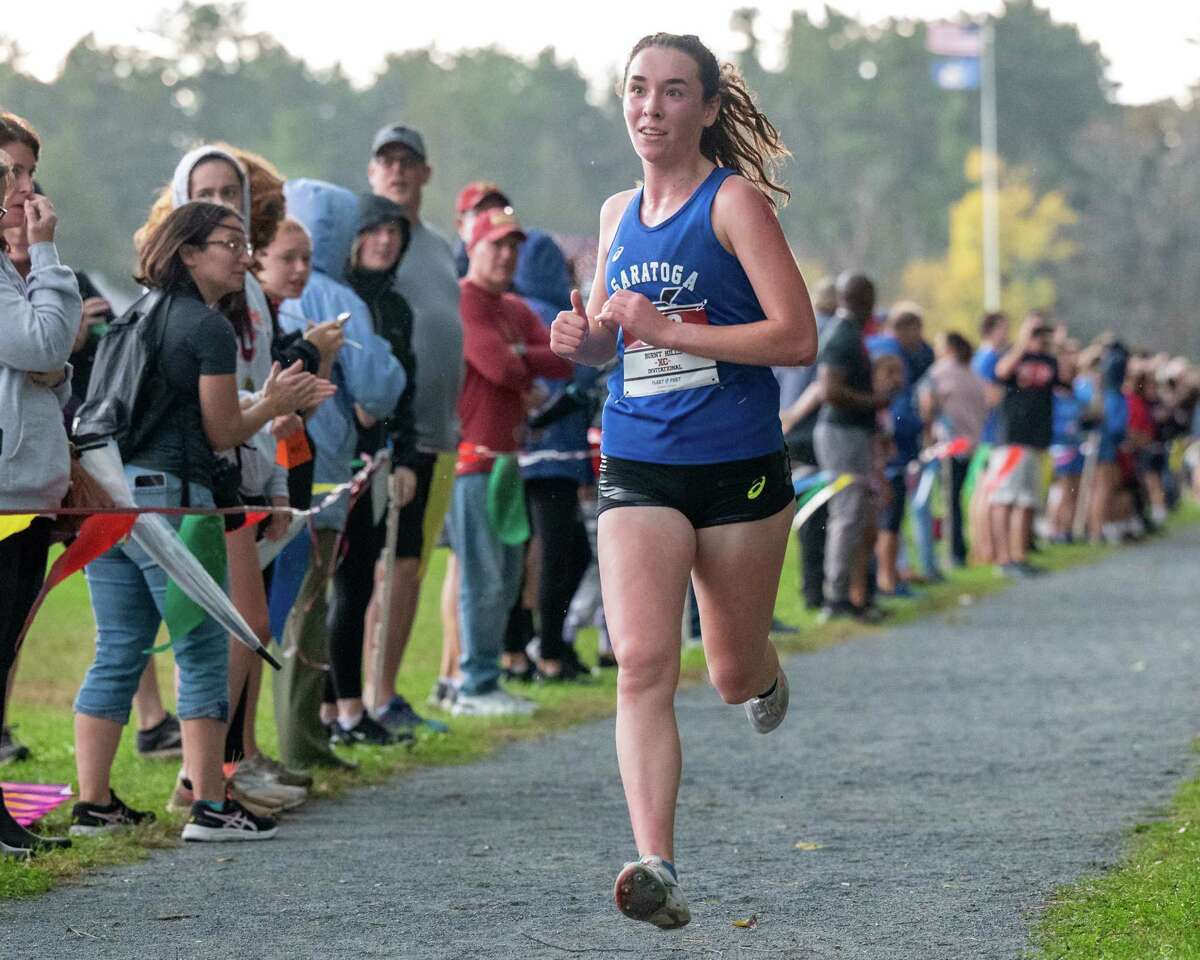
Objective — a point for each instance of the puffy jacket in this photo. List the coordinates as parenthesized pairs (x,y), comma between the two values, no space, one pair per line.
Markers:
(542,279)
(368,375)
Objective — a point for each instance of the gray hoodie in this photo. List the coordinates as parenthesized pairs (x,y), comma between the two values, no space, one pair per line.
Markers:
(38,323)
(261,476)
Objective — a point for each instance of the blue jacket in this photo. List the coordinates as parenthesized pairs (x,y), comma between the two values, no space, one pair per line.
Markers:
(543,281)
(371,376)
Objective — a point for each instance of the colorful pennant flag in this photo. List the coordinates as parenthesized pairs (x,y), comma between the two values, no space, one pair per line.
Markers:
(15,524)
(946,39)
(28,802)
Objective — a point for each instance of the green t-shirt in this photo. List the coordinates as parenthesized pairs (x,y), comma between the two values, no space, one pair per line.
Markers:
(844,350)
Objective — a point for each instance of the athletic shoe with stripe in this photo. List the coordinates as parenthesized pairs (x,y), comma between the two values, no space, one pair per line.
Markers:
(648,890)
(231,824)
(766,713)
(92,819)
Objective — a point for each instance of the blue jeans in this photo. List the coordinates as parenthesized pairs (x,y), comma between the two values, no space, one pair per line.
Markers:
(489,581)
(922,514)
(128,591)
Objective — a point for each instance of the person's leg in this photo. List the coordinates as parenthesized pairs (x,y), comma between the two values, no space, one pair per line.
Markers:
(643,592)
(1021,525)
(247,592)
(845,450)
(483,600)
(405,597)
(922,522)
(958,479)
(147,701)
(353,583)
(1001,525)
(127,620)
(565,556)
(812,551)
(451,647)
(736,610)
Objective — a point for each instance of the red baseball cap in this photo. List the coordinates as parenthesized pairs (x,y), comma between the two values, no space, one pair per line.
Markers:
(474,193)
(494,224)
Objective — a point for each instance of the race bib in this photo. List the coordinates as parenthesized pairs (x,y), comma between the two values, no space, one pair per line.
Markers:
(648,370)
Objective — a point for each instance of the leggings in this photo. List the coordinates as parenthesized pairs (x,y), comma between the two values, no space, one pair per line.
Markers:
(353,583)
(554,512)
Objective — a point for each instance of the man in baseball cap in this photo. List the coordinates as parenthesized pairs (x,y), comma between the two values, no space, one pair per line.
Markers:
(398,133)
(493,225)
(473,199)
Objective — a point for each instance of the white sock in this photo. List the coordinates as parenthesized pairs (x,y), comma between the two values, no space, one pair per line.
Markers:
(352,722)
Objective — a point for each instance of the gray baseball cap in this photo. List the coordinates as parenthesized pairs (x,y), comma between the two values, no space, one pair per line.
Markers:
(398,133)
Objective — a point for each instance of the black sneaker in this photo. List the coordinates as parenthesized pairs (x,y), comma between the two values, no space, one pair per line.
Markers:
(11,749)
(368,731)
(93,820)
(606,661)
(399,715)
(233,823)
(162,741)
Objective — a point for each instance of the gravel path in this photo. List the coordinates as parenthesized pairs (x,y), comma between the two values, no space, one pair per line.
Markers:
(954,772)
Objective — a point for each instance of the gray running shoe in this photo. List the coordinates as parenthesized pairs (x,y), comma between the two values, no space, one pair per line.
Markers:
(647,890)
(766,713)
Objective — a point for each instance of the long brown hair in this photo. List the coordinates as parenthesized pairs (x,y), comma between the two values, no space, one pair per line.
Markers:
(741,138)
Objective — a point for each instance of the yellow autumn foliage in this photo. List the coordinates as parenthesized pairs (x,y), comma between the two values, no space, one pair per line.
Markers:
(1032,236)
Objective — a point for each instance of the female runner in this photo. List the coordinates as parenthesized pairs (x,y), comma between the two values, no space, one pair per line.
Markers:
(698,295)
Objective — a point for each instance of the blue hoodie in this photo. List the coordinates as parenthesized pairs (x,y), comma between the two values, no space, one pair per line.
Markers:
(371,376)
(542,280)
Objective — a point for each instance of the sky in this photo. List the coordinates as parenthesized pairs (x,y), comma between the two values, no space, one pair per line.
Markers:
(1153,46)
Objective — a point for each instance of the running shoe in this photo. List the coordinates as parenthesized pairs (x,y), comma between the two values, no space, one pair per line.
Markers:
(649,890)
(368,731)
(443,694)
(400,715)
(837,610)
(494,703)
(276,772)
(232,823)
(11,749)
(162,741)
(766,713)
(253,783)
(93,820)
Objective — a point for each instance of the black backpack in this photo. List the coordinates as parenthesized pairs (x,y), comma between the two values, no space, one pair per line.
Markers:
(127,396)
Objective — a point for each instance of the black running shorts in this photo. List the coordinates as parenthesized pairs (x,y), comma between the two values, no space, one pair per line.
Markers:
(710,494)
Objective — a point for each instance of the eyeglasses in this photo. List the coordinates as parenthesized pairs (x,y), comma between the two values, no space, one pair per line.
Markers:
(235,247)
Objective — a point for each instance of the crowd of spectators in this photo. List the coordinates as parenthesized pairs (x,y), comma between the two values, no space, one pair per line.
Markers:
(306,332)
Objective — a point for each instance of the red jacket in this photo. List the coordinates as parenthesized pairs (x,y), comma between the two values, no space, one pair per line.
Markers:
(490,407)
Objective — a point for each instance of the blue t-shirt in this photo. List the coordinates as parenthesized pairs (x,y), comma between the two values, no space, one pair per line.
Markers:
(984,364)
(668,407)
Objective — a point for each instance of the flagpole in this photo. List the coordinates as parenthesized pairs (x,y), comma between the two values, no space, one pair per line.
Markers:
(991,172)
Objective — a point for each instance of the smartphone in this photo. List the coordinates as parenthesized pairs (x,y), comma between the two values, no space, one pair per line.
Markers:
(341,319)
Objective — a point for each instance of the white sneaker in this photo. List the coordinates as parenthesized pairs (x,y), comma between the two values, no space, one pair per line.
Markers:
(255,785)
(647,890)
(766,713)
(494,703)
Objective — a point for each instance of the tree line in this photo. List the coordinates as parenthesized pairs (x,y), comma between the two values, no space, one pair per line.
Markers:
(1100,200)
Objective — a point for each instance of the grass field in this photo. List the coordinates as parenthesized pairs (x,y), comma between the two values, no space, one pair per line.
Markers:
(59,650)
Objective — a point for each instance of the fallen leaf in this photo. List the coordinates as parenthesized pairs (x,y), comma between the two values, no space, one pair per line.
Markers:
(175,916)
(750,924)
(809,845)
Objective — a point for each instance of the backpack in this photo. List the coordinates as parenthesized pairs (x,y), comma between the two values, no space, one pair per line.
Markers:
(127,396)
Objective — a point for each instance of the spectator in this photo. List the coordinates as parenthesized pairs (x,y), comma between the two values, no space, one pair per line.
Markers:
(1066,451)
(196,256)
(506,346)
(369,379)
(1028,373)
(552,484)
(1107,410)
(993,341)
(40,318)
(953,402)
(902,338)
(382,234)
(800,406)
(399,170)
(843,441)
(472,200)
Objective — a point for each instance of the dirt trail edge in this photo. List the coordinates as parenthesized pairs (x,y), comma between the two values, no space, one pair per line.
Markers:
(941,780)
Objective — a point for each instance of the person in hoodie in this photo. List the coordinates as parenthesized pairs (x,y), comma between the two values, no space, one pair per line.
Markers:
(370,381)
(39,318)
(381,237)
(558,463)
(218,173)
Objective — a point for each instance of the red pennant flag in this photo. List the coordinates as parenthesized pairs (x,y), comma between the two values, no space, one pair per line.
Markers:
(97,534)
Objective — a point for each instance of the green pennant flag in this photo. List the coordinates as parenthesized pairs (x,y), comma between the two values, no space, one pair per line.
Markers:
(812,492)
(205,538)
(506,502)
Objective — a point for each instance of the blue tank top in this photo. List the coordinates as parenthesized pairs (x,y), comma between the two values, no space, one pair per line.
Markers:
(664,406)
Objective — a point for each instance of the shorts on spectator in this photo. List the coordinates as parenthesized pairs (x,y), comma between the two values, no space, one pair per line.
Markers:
(891,515)
(1015,479)
(422,518)
(1068,460)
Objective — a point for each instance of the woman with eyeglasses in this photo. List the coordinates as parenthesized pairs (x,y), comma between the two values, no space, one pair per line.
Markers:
(197,256)
(39,317)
